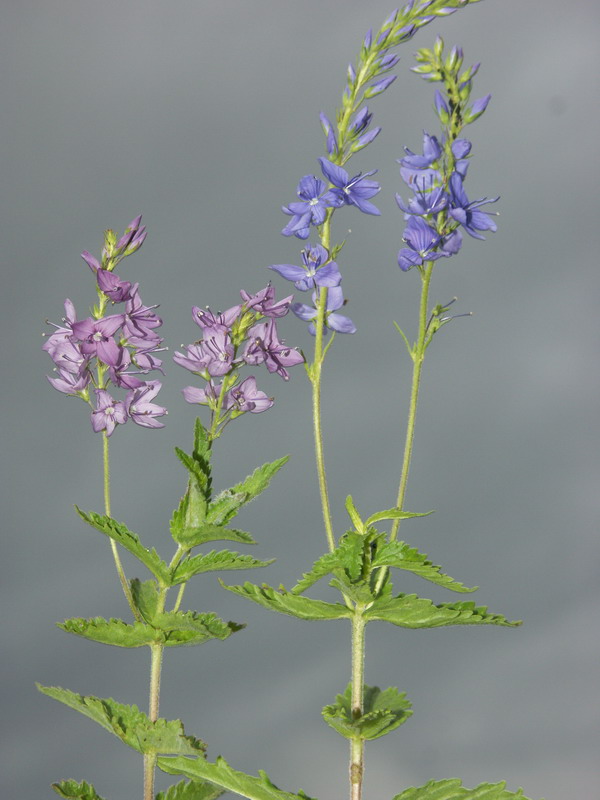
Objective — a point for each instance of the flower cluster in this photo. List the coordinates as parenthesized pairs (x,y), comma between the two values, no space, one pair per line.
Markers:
(114,349)
(245,334)
(440,206)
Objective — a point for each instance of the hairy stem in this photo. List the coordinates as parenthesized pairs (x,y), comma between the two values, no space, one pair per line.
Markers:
(357,745)
(150,758)
(419,355)
(113,544)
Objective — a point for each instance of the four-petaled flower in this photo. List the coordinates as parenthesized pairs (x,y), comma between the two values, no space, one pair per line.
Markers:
(108,413)
(317,270)
(140,409)
(355,191)
(337,322)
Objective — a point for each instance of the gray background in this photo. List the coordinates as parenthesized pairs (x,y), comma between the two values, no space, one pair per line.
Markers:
(203,116)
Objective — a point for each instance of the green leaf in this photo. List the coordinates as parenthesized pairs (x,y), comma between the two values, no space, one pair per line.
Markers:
(410,611)
(194,790)
(189,515)
(129,540)
(454,790)
(228,503)
(287,603)
(221,774)
(192,627)
(76,791)
(394,513)
(383,712)
(130,724)
(112,631)
(402,556)
(145,597)
(209,532)
(359,525)
(212,562)
(198,469)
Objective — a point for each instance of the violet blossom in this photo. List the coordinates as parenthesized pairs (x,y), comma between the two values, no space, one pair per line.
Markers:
(140,409)
(317,270)
(108,413)
(337,322)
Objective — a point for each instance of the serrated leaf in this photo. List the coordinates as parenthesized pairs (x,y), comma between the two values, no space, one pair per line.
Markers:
(76,791)
(129,724)
(410,611)
(192,790)
(287,603)
(454,790)
(402,556)
(213,562)
(383,712)
(349,563)
(190,514)
(359,525)
(221,774)
(112,631)
(192,627)
(209,532)
(198,469)
(145,597)
(129,540)
(227,504)
(394,513)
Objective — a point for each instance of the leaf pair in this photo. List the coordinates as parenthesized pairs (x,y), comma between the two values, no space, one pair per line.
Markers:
(382,712)
(199,518)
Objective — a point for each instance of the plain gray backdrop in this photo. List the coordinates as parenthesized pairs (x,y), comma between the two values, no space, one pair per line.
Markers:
(203,116)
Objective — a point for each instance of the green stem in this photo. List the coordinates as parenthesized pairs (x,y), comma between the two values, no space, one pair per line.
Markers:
(357,746)
(113,544)
(150,758)
(418,356)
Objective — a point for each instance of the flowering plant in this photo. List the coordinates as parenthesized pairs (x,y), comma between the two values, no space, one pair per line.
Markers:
(108,352)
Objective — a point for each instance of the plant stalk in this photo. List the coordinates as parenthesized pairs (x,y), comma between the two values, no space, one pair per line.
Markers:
(113,544)
(357,746)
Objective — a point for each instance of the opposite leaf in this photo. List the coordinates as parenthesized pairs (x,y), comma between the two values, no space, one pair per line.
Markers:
(454,790)
(287,603)
(76,791)
(383,712)
(129,540)
(130,724)
(112,631)
(221,774)
(192,790)
(226,505)
(410,611)
(213,562)
(402,556)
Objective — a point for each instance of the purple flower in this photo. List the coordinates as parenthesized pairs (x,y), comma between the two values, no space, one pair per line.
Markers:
(108,414)
(466,213)
(92,262)
(112,286)
(337,322)
(421,240)
(246,397)
(354,191)
(140,409)
(317,271)
(132,239)
(264,347)
(264,302)
(96,339)
(69,382)
(205,318)
(208,396)
(140,320)
(315,199)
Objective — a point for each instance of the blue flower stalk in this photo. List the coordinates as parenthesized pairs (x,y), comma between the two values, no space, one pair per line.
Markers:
(435,214)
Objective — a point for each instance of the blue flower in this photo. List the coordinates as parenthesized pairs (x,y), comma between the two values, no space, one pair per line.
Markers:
(317,270)
(465,212)
(337,322)
(355,191)
(312,207)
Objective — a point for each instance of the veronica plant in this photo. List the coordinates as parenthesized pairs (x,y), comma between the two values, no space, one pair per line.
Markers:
(92,355)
